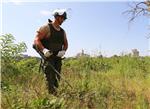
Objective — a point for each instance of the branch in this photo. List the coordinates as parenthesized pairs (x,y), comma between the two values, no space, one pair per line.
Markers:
(137,9)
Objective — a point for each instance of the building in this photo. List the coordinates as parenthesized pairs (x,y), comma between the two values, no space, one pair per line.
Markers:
(135,53)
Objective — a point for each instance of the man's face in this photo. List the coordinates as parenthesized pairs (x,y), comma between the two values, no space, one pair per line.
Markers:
(60,19)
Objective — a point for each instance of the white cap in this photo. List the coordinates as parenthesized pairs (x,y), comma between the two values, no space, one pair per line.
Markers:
(59,12)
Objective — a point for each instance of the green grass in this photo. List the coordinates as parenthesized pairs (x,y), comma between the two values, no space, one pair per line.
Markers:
(98,83)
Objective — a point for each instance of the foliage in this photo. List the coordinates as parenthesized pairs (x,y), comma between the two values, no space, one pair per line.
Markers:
(30,64)
(10,50)
(98,83)
(87,63)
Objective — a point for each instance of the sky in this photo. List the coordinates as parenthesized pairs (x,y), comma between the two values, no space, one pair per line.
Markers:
(94,26)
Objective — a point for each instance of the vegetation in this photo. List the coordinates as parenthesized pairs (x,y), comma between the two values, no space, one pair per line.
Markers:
(98,83)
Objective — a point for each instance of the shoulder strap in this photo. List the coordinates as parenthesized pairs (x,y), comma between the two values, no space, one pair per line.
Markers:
(49,21)
(49,25)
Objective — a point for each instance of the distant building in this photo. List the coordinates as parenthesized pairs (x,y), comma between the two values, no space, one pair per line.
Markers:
(82,54)
(135,53)
(100,56)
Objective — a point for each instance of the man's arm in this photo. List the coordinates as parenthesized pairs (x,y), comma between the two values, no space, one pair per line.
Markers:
(41,34)
(65,47)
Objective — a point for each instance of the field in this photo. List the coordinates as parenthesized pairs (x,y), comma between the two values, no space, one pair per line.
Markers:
(97,83)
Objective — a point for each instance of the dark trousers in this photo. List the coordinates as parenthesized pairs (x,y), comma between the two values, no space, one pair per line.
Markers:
(52,77)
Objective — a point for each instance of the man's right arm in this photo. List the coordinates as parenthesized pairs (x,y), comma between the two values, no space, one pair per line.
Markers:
(41,34)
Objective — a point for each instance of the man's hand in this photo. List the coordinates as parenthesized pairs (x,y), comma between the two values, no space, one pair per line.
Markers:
(61,53)
(47,52)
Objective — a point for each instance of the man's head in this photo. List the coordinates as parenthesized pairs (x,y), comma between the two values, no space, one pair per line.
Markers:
(60,15)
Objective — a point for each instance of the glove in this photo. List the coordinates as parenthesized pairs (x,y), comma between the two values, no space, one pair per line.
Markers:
(47,52)
(61,53)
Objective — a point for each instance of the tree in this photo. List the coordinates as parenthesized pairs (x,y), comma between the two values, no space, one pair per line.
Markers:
(138,9)
(9,53)
(9,50)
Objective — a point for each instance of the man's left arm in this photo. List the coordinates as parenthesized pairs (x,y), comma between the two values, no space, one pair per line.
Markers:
(65,47)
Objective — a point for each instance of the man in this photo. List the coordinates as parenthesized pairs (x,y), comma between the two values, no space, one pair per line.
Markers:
(51,40)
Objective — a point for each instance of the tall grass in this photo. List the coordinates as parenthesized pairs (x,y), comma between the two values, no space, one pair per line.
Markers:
(98,83)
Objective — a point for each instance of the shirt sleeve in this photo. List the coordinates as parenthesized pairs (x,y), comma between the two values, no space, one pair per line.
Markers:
(43,30)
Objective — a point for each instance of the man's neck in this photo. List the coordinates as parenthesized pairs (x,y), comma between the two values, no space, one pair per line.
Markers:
(56,25)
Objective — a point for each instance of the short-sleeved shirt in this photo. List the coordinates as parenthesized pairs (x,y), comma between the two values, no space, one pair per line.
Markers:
(45,29)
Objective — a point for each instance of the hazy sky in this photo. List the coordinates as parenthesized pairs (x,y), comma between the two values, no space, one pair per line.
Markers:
(93,26)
